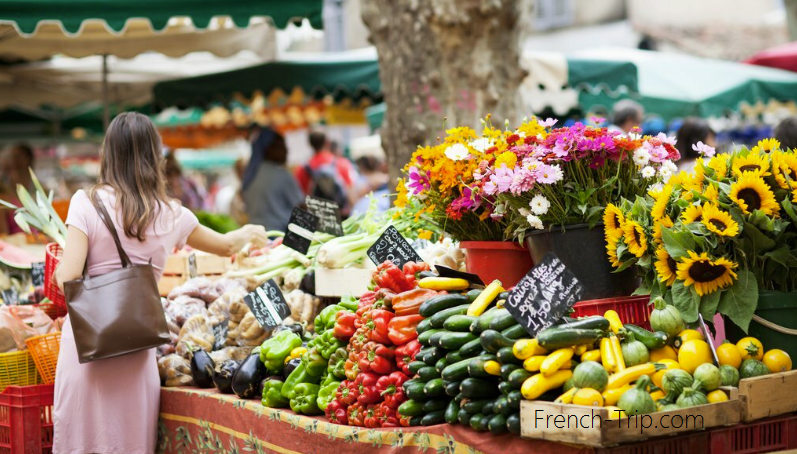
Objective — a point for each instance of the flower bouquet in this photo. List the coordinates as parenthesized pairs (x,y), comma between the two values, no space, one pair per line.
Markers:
(709,240)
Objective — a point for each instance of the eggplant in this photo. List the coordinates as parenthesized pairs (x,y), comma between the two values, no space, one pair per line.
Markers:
(246,379)
(297,328)
(222,377)
(202,368)
(308,283)
(290,366)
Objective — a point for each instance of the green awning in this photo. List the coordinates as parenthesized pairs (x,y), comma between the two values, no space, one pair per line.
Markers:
(28,13)
(589,75)
(354,79)
(375,115)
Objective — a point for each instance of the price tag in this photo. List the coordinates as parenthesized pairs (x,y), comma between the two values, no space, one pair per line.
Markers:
(393,247)
(445,271)
(37,274)
(192,265)
(10,296)
(268,305)
(220,333)
(328,213)
(544,295)
(300,230)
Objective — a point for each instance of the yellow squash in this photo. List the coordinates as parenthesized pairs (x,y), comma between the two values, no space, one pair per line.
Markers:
(556,360)
(656,378)
(777,361)
(567,397)
(537,385)
(618,353)
(685,335)
(615,324)
(665,352)
(717,395)
(607,355)
(693,353)
(632,374)
(750,348)
(615,412)
(611,396)
(591,355)
(533,363)
(443,283)
(658,394)
(588,397)
(729,355)
(526,348)
(493,368)
(484,299)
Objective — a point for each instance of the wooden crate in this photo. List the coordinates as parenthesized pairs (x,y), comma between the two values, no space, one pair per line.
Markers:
(769,395)
(342,282)
(181,267)
(593,426)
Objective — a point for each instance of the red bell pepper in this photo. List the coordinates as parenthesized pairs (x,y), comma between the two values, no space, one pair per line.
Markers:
(406,354)
(360,338)
(409,302)
(389,387)
(403,329)
(371,420)
(404,421)
(346,393)
(366,388)
(336,413)
(389,276)
(386,415)
(344,325)
(377,323)
(376,358)
(413,268)
(356,414)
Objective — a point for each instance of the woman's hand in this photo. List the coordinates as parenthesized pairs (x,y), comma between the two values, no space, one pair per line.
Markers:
(250,233)
(227,244)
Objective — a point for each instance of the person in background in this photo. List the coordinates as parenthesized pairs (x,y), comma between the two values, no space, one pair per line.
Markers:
(327,176)
(228,199)
(692,131)
(180,187)
(14,165)
(627,114)
(111,405)
(335,148)
(269,191)
(786,133)
(373,183)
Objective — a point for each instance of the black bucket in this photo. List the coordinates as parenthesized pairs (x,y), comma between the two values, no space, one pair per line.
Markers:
(583,251)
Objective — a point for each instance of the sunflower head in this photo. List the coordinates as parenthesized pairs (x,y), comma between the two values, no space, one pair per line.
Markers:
(634,237)
(693,213)
(718,221)
(750,192)
(719,164)
(784,167)
(705,274)
(611,250)
(767,145)
(662,199)
(613,220)
(664,222)
(711,193)
(666,267)
(753,163)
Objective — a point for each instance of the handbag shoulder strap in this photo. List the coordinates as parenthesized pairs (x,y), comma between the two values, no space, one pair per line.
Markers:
(106,218)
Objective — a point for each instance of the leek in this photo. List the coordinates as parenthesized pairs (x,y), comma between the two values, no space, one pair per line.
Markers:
(38,213)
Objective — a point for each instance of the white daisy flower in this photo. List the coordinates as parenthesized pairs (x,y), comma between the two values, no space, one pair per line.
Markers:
(457,152)
(534,222)
(665,173)
(641,157)
(648,172)
(481,145)
(670,165)
(539,205)
(524,212)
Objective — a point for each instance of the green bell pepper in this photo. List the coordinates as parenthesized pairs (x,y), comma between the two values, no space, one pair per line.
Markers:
(271,394)
(337,363)
(326,394)
(350,303)
(314,363)
(325,320)
(275,349)
(297,377)
(327,378)
(305,399)
(326,344)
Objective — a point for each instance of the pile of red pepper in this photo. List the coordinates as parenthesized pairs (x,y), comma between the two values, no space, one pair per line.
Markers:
(381,344)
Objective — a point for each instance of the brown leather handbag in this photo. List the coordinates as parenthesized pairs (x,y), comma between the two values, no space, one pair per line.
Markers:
(116,313)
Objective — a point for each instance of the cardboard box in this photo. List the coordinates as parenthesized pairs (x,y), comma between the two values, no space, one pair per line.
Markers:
(342,282)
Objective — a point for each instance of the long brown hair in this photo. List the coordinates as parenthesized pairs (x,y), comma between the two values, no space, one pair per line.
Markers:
(132,164)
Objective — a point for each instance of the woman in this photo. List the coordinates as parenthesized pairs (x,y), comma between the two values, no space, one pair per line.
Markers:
(111,405)
(692,131)
(269,190)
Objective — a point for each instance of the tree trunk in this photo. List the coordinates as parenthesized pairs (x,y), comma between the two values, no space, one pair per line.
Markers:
(443,63)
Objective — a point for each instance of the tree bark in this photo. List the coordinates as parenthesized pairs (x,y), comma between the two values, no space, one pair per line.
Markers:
(443,63)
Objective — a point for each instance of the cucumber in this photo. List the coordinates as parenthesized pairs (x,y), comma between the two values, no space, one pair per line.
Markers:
(454,341)
(414,389)
(476,366)
(427,373)
(492,341)
(473,294)
(507,356)
(555,337)
(451,387)
(423,337)
(429,355)
(513,423)
(507,369)
(593,322)
(502,320)
(504,387)
(440,365)
(458,323)
(457,371)
(452,412)
(437,417)
(441,302)
(515,332)
(475,421)
(415,366)
(517,377)
(436,404)
(411,408)
(483,322)
(423,326)
(434,339)
(453,357)
(497,424)
(476,388)
(416,420)
(489,409)
(471,349)
(439,319)
(475,406)
(463,417)
(434,388)
(650,340)
(513,400)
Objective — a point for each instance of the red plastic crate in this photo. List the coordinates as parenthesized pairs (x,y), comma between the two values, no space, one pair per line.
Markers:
(690,443)
(767,435)
(52,257)
(26,420)
(631,309)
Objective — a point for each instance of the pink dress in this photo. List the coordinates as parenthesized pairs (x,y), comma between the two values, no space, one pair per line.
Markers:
(111,405)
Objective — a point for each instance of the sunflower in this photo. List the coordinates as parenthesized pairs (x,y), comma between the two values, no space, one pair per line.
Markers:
(707,275)
(694,213)
(711,193)
(752,193)
(767,145)
(634,236)
(665,266)
(611,250)
(756,164)
(718,221)
(658,225)
(662,199)
(719,164)
(613,220)
(784,166)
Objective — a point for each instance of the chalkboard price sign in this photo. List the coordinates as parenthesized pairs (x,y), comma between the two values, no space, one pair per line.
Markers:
(544,295)
(393,247)
(220,334)
(268,305)
(328,213)
(37,274)
(300,230)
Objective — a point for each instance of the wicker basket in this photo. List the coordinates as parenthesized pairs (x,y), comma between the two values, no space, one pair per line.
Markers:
(44,350)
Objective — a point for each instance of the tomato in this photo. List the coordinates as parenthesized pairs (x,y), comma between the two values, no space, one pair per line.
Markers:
(729,355)
(686,335)
(665,352)
(750,348)
(589,397)
(777,361)
(717,395)
(656,378)
(693,353)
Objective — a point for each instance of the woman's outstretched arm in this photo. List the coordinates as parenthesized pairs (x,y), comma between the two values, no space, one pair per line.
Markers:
(227,244)
(74,258)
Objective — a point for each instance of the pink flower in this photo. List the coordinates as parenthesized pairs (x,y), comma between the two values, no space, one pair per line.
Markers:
(548,122)
(522,181)
(499,181)
(547,174)
(704,150)
(418,182)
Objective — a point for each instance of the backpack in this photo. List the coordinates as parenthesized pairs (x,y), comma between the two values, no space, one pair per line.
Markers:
(326,183)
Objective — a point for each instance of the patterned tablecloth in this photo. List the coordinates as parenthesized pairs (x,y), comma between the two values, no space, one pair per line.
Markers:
(200,421)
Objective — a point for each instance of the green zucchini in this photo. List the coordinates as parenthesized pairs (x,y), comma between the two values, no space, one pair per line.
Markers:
(463,417)
(489,409)
(428,373)
(517,377)
(504,387)
(434,388)
(507,356)
(436,404)
(452,412)
(507,369)
(440,365)
(451,387)
(423,337)
(431,419)
(442,302)
(457,371)
(430,355)
(651,340)
(483,322)
(414,389)
(476,421)
(555,337)
(415,366)
(416,420)
(503,296)
(458,323)
(492,341)
(592,322)
(501,406)
(439,319)
(513,423)
(475,406)
(427,273)
(513,400)
(454,341)
(423,326)
(411,408)
(459,398)
(497,424)
(434,339)
(473,294)
(476,388)
(453,357)
(502,320)
(471,349)
(515,332)
(476,366)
